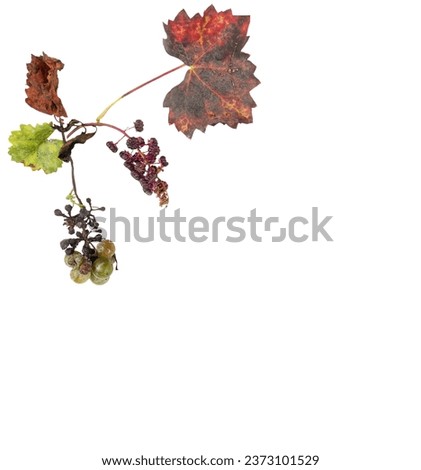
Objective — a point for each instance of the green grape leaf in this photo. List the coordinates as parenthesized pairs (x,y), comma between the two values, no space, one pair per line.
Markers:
(30,146)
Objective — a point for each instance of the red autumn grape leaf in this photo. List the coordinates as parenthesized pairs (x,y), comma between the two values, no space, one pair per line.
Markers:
(42,81)
(216,88)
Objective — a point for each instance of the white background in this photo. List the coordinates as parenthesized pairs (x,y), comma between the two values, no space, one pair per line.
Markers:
(216,348)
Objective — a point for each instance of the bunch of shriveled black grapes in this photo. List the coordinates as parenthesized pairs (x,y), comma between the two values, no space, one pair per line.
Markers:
(143,161)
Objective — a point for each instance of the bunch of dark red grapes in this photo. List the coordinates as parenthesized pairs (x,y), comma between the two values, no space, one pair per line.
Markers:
(144,163)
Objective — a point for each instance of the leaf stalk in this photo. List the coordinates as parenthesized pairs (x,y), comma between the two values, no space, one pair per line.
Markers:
(101,116)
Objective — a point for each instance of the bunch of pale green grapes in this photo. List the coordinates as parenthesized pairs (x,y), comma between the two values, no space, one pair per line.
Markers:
(98,269)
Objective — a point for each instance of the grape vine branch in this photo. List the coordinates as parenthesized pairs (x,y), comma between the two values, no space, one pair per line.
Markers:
(215,90)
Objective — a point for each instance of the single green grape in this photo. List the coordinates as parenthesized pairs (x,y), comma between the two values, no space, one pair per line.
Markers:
(105,249)
(99,281)
(103,267)
(74,260)
(78,277)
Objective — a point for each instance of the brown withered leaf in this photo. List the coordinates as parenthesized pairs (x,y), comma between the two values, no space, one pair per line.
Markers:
(42,81)
(66,149)
(216,88)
